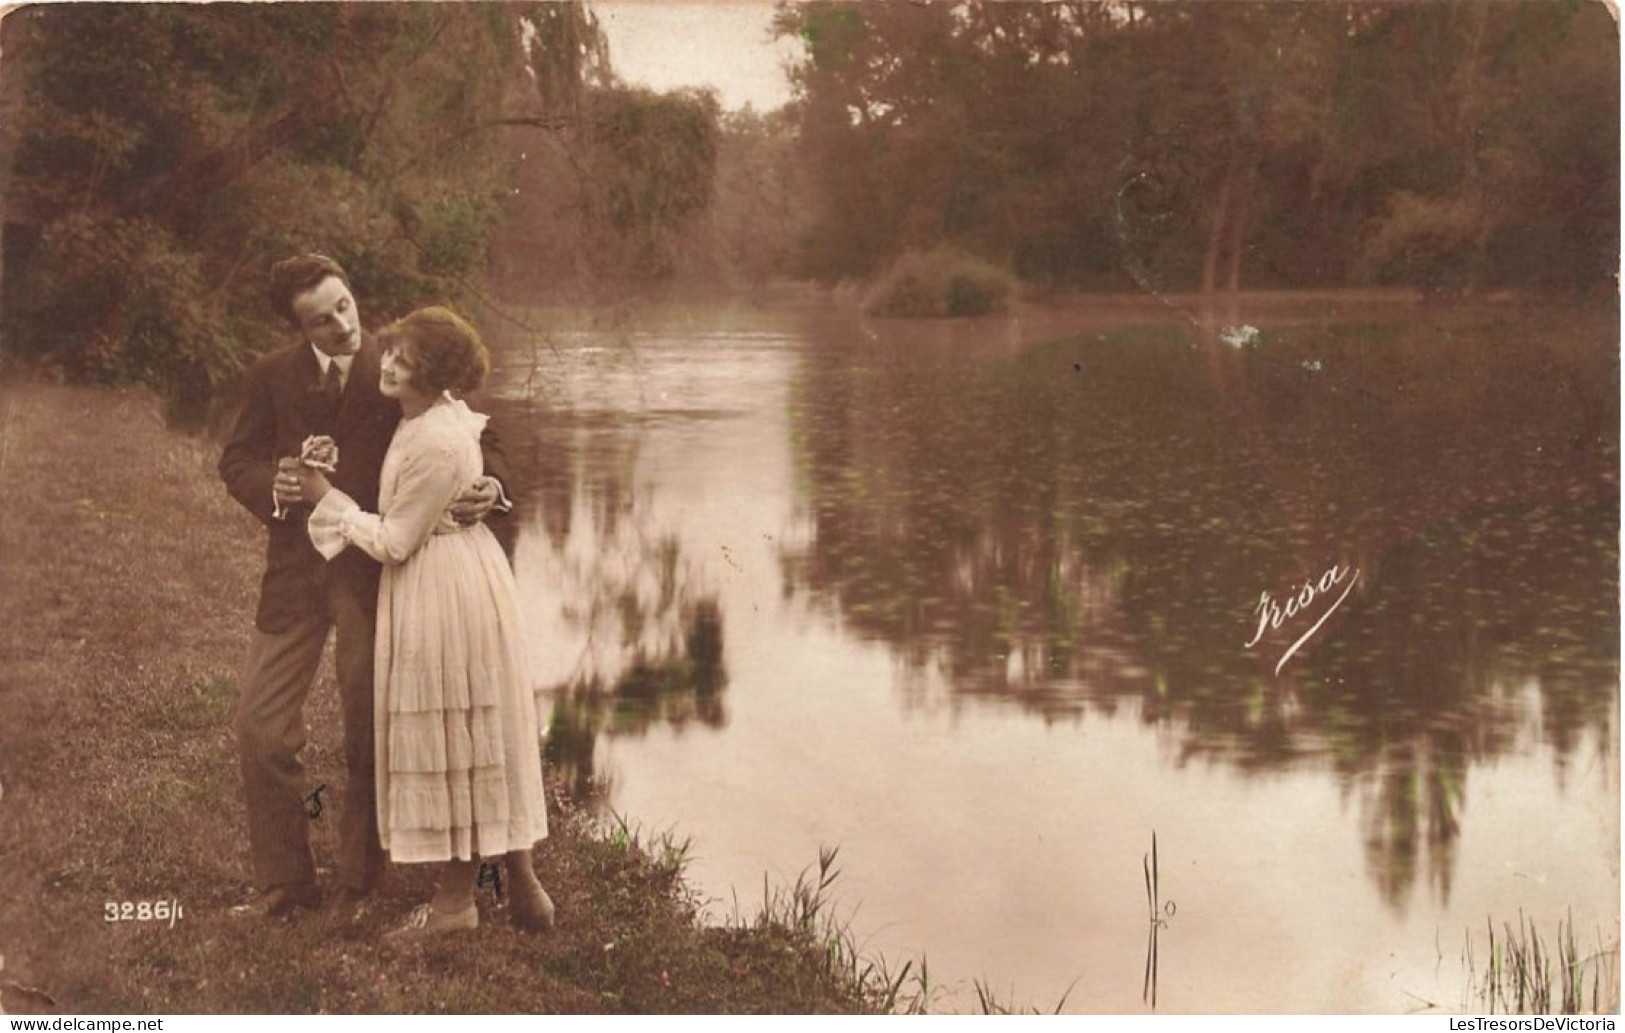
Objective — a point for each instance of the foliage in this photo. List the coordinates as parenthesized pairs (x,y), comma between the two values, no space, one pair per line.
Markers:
(941,282)
(155,321)
(1420,238)
(652,162)
(760,213)
(615,191)
(163,156)
(1206,145)
(566,55)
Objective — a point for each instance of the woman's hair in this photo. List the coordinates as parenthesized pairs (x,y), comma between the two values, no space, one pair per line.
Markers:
(447,351)
(292,277)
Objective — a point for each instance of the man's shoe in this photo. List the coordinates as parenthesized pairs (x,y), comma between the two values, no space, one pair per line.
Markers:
(355,894)
(282,901)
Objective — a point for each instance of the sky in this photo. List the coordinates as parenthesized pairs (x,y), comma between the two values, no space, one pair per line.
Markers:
(723,44)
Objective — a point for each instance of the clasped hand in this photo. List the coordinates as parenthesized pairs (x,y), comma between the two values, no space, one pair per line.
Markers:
(310,483)
(296,482)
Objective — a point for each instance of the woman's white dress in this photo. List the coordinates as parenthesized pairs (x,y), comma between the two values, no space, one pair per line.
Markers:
(459,755)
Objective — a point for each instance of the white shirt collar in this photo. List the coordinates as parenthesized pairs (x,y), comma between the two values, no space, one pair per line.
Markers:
(323,359)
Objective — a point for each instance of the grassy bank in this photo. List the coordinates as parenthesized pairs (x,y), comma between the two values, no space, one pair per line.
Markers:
(128,587)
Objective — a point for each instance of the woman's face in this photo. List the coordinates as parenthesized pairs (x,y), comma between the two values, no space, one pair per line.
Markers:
(397,370)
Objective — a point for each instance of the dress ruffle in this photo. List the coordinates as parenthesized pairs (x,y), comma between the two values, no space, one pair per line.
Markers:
(459,749)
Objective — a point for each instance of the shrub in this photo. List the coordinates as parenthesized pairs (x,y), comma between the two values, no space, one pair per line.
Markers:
(941,282)
(452,233)
(158,162)
(119,301)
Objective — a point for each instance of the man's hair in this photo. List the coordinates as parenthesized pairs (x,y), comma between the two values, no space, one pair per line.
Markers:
(448,352)
(292,277)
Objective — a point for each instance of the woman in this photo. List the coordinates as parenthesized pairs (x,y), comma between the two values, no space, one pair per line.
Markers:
(459,766)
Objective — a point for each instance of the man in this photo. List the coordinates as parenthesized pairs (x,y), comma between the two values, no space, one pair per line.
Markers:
(326,384)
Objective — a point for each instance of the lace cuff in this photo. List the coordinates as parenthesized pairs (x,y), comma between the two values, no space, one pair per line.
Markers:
(328,521)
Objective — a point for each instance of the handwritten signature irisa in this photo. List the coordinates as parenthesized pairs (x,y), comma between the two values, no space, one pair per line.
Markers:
(1271,615)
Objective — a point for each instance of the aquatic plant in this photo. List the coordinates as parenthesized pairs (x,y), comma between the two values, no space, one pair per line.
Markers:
(805,912)
(1521,974)
(1158,914)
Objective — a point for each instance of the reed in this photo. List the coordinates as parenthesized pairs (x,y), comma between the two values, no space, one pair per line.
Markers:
(989,1003)
(668,854)
(805,914)
(1158,912)
(1522,973)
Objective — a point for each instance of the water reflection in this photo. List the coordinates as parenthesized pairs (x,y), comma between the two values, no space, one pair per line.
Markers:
(635,640)
(676,687)
(1072,526)
(987,603)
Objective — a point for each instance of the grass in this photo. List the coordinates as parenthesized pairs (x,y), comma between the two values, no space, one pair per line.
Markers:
(806,909)
(130,582)
(1523,974)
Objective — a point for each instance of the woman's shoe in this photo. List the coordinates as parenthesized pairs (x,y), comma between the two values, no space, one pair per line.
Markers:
(532,908)
(427,922)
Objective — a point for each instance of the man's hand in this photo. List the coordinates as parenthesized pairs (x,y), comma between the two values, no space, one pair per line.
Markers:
(475,504)
(285,487)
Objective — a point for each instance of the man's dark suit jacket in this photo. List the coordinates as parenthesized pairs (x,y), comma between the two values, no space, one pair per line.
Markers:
(283,404)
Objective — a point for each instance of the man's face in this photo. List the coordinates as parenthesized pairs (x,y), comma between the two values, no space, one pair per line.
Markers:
(328,316)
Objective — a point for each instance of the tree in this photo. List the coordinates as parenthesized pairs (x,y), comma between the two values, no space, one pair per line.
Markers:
(1510,173)
(1209,147)
(160,157)
(609,181)
(760,211)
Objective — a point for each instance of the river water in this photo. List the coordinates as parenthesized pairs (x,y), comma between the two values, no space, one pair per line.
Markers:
(982,604)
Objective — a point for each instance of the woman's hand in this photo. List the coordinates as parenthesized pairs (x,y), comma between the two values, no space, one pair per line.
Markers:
(313,483)
(320,451)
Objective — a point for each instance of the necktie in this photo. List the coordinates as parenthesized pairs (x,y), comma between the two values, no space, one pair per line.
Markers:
(333,386)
